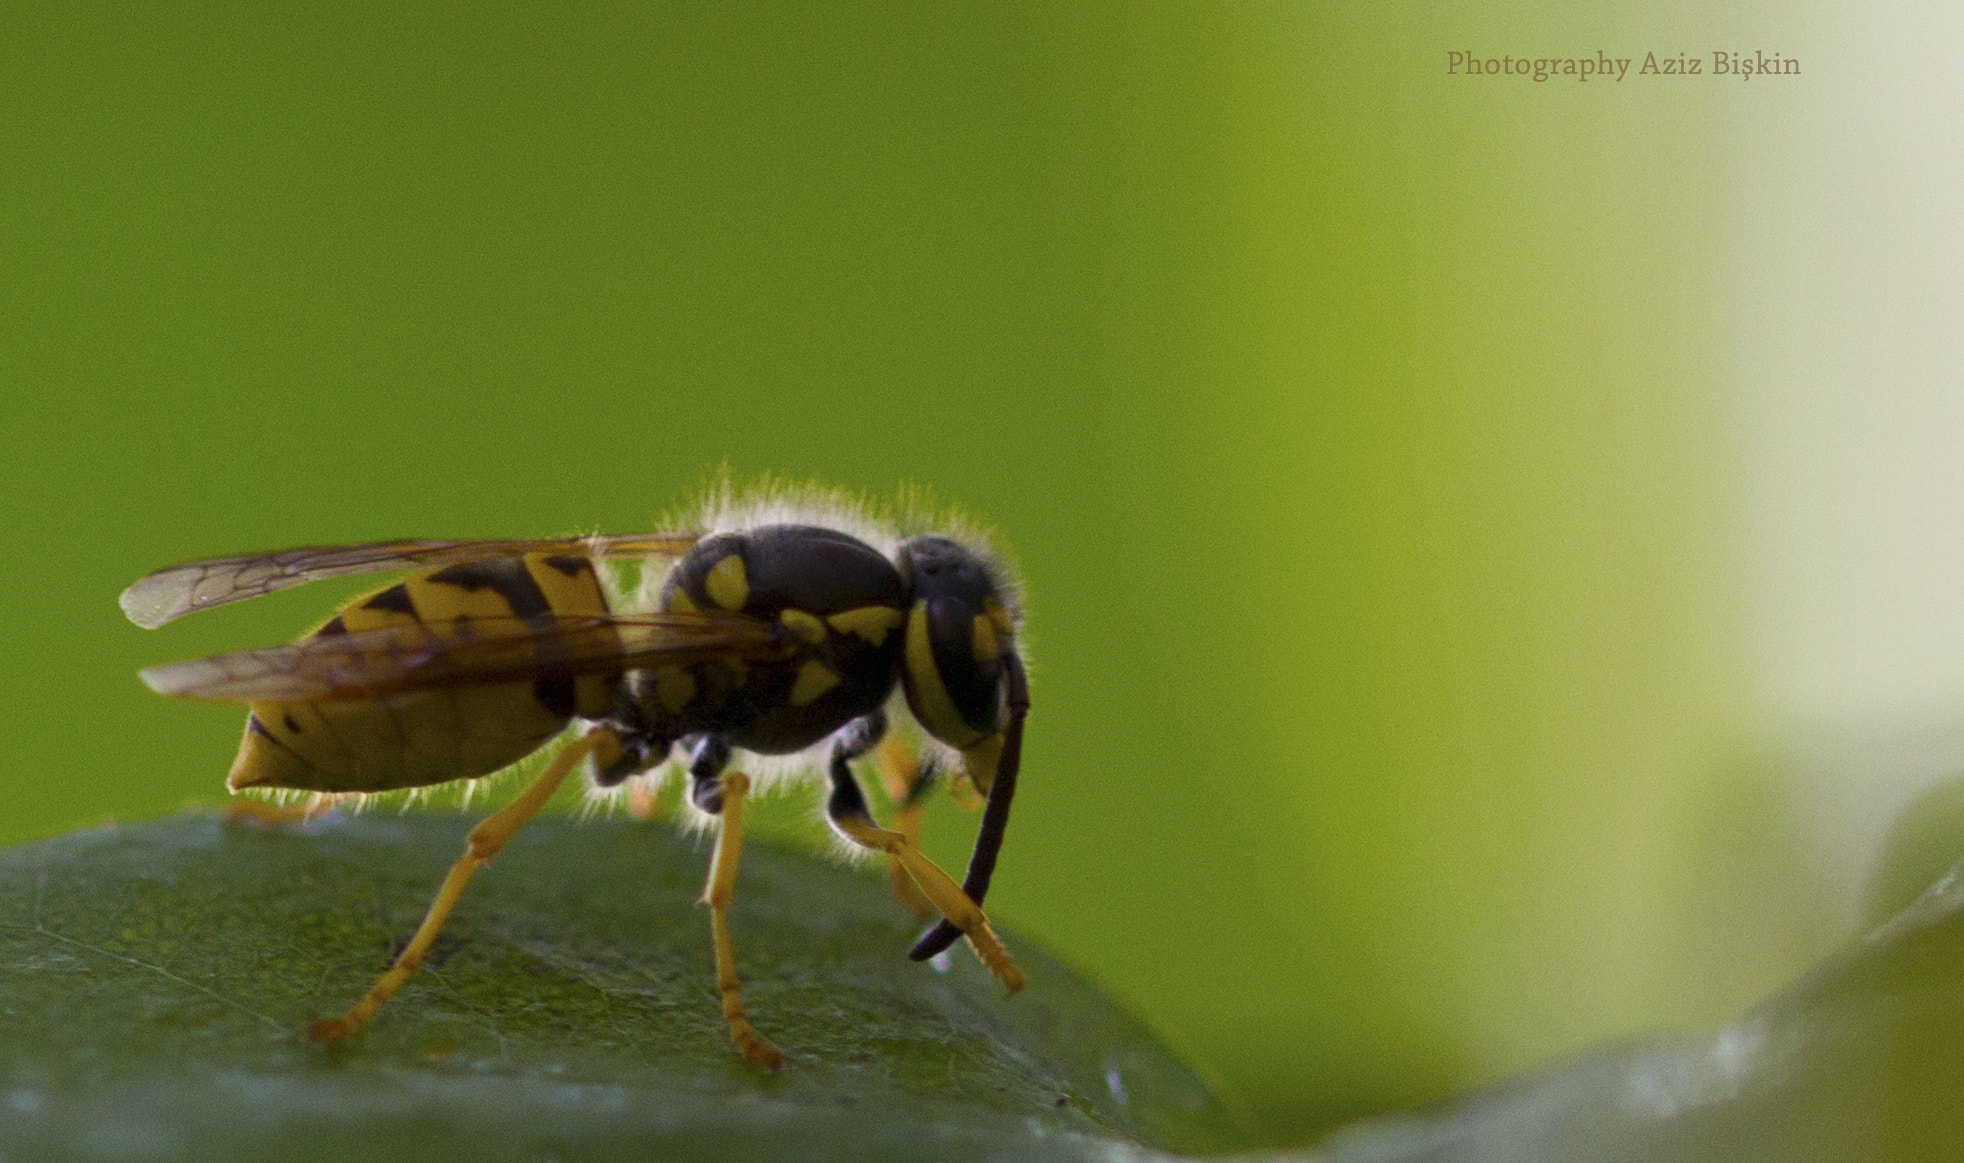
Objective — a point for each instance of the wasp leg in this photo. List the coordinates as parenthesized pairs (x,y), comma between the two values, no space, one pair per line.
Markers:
(846,809)
(899,771)
(907,782)
(723,795)
(907,822)
(484,842)
(1008,759)
(962,790)
(644,801)
(255,810)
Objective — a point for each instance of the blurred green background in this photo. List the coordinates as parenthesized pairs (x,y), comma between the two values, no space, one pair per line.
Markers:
(1386,451)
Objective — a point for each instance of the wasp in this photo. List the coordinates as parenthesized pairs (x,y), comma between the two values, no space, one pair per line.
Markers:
(776,639)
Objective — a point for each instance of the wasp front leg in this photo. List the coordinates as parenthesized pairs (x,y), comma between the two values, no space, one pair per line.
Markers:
(846,809)
(907,781)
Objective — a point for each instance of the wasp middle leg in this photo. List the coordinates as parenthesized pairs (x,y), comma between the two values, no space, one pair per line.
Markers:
(722,794)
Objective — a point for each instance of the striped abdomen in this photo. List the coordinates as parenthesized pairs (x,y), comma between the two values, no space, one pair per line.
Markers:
(433,736)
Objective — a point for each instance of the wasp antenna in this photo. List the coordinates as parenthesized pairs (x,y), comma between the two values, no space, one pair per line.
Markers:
(995,817)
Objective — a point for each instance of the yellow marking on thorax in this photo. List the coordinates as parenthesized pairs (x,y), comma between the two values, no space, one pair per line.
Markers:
(936,708)
(998,615)
(806,626)
(679,603)
(872,623)
(675,687)
(814,679)
(726,583)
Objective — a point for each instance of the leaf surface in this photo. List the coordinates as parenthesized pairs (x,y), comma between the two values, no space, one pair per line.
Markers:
(155,978)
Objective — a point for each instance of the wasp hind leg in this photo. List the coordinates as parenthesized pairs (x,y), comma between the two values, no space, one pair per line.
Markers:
(722,794)
(253,810)
(484,842)
(846,809)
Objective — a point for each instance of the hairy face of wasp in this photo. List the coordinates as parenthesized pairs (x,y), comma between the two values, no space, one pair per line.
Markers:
(957,630)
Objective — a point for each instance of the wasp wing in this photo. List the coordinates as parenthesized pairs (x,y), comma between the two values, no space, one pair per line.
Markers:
(199,585)
(395,660)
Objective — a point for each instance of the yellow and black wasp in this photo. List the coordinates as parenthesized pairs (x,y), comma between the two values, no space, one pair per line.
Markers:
(769,639)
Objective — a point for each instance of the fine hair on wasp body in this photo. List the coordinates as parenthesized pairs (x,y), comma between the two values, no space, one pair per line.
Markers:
(766,642)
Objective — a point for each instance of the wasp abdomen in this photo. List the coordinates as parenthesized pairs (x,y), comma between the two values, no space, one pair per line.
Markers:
(433,736)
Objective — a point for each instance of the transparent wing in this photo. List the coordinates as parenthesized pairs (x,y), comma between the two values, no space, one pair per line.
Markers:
(199,585)
(394,660)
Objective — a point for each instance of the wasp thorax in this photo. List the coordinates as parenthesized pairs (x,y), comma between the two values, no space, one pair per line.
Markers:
(835,602)
(957,631)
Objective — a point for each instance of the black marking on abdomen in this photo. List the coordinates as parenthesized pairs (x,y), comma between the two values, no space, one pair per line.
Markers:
(395,599)
(508,578)
(331,627)
(570,566)
(504,576)
(255,727)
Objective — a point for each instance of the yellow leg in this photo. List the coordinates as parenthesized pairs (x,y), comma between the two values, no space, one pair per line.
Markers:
(907,822)
(484,842)
(642,800)
(898,769)
(717,894)
(258,811)
(962,788)
(897,766)
(947,896)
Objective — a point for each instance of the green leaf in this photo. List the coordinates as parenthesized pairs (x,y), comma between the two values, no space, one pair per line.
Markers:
(1863,1059)
(155,979)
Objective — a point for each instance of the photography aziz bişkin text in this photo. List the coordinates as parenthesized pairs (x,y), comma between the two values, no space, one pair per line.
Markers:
(1602,65)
